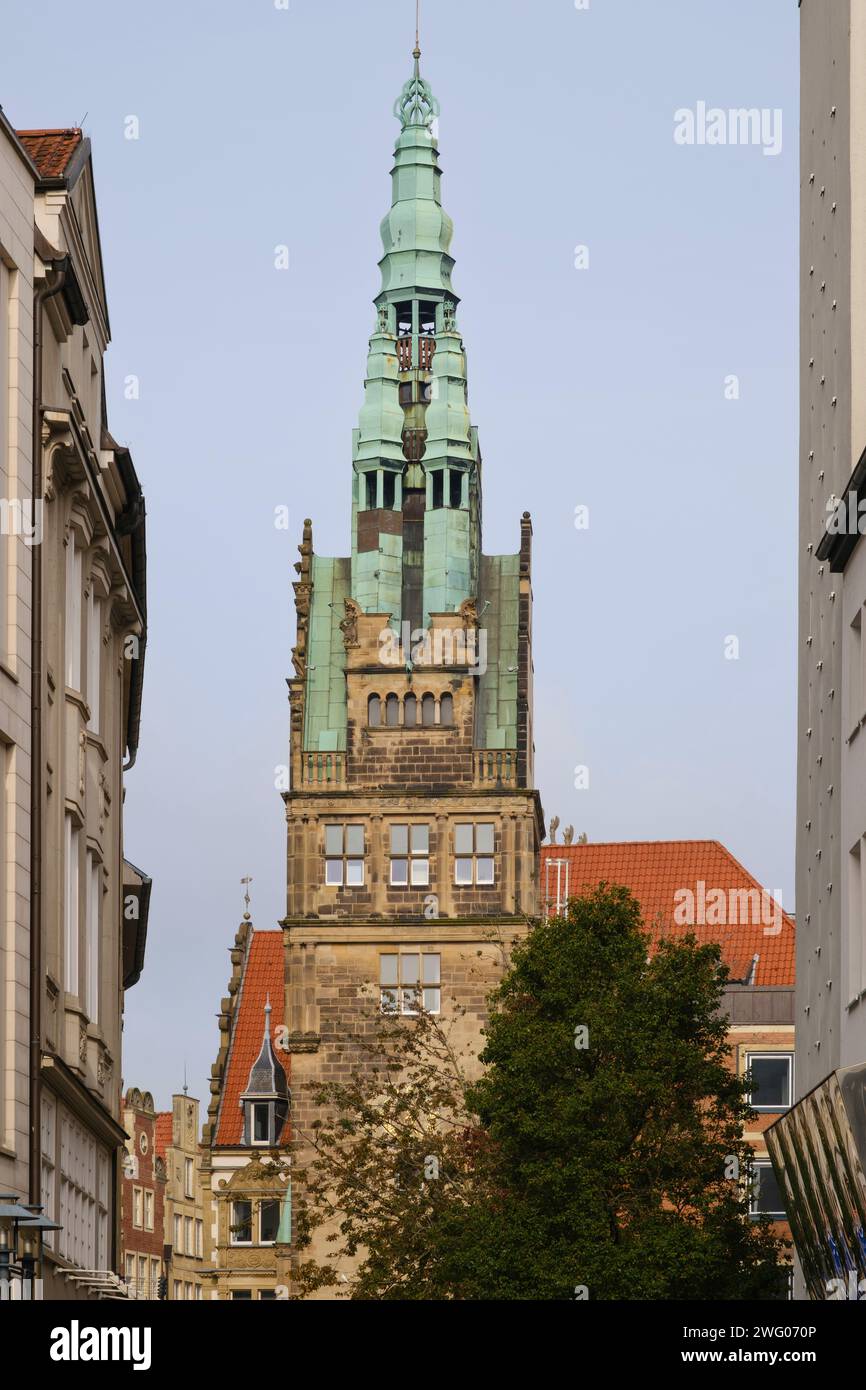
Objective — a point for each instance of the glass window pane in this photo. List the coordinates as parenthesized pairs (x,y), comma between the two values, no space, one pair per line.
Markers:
(392,711)
(463,839)
(261,1124)
(420,872)
(354,873)
(766,1194)
(771,1078)
(431,1000)
(399,839)
(269,1220)
(354,839)
(410,712)
(428,711)
(463,871)
(388,1001)
(374,711)
(431,966)
(333,839)
(484,839)
(410,1000)
(484,871)
(387,970)
(334,871)
(420,839)
(409,969)
(400,872)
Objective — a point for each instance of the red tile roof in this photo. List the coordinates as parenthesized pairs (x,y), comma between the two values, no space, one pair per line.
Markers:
(50,150)
(164,1131)
(658,873)
(264,974)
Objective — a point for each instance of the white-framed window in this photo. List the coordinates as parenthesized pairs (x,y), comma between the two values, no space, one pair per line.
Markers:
(175,1290)
(130,1268)
(73,613)
(473,854)
(198,1293)
(188,1171)
(71,909)
(93,916)
(855,927)
(242,1222)
(49,1159)
(410,856)
(772,1080)
(409,981)
(199,1238)
(94,660)
(154,1277)
(148,1209)
(83,1205)
(269,1220)
(187,1291)
(260,1121)
(178,1235)
(188,1235)
(344,856)
(765,1196)
(138,1208)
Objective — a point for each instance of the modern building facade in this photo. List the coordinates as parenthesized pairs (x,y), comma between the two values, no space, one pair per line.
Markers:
(831,753)
(142,1205)
(697,887)
(246,1163)
(413,822)
(71,666)
(177,1144)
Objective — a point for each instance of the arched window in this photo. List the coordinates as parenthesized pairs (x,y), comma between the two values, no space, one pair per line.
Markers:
(410,712)
(392,711)
(428,711)
(446,709)
(374,711)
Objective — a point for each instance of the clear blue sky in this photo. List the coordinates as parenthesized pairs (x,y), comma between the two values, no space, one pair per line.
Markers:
(603,387)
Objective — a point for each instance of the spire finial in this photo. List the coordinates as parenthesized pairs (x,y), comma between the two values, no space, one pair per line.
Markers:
(416,52)
(185,1087)
(246,884)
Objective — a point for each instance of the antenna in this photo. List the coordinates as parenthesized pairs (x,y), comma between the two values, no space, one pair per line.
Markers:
(246,882)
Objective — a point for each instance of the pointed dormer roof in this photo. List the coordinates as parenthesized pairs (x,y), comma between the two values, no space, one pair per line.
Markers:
(267,1078)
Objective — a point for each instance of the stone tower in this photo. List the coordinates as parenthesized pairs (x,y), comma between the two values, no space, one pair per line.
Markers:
(413,823)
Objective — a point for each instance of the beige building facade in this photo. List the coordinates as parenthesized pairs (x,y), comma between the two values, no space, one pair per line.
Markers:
(73,663)
(177,1143)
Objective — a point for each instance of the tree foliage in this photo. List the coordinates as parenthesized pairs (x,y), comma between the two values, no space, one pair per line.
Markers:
(593,1155)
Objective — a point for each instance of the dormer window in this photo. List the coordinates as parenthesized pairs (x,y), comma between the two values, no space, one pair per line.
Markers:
(265,1101)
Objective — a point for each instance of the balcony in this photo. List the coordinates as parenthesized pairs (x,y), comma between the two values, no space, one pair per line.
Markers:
(495,767)
(323,771)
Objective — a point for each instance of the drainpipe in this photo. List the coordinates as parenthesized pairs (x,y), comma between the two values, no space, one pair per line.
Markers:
(37,773)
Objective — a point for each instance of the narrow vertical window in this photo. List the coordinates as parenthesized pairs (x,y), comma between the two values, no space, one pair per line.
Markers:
(437,488)
(70,906)
(93,908)
(374,711)
(73,613)
(446,709)
(410,712)
(455,488)
(392,711)
(94,659)
(428,711)
(370,485)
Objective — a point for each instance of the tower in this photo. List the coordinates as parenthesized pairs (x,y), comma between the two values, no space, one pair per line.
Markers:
(413,824)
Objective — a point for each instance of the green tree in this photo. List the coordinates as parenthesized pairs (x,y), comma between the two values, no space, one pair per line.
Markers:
(595,1152)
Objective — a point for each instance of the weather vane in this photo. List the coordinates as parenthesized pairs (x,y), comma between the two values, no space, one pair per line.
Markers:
(246,882)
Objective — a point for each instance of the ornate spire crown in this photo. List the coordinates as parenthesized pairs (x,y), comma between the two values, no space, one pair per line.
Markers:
(416,104)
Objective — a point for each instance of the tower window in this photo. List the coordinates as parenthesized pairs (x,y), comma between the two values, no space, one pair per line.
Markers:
(410,981)
(374,711)
(455,488)
(410,851)
(428,711)
(404,319)
(404,393)
(410,712)
(388,490)
(427,317)
(370,483)
(446,709)
(344,856)
(437,488)
(392,711)
(473,855)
